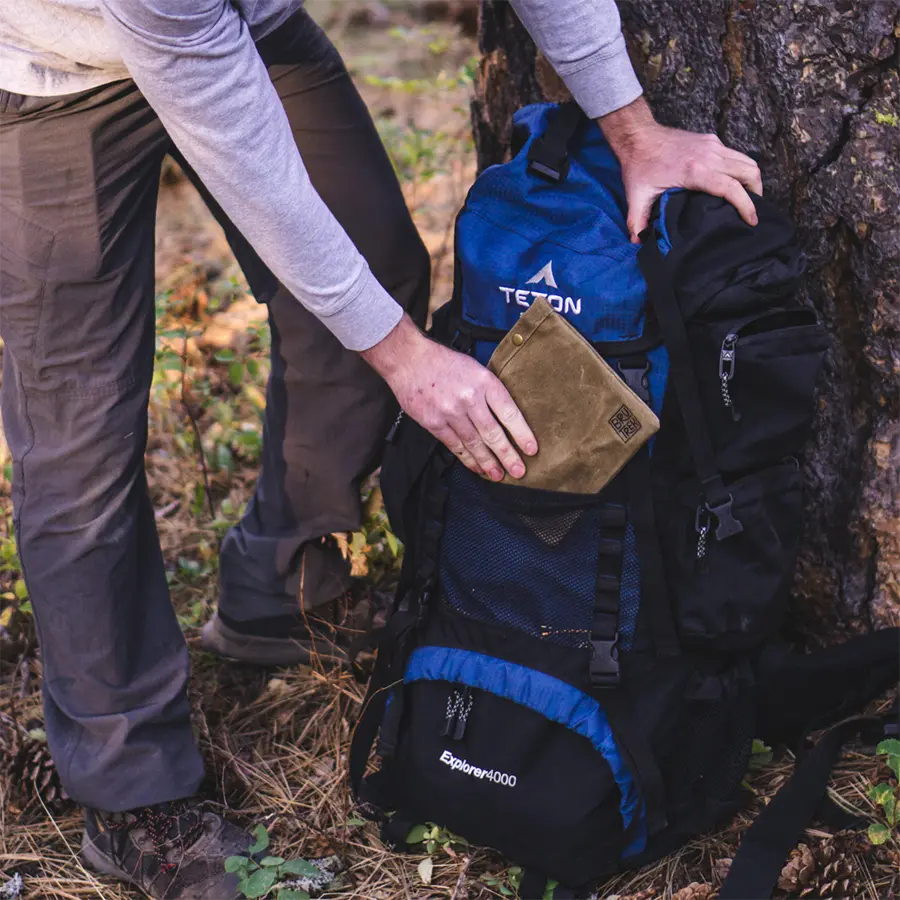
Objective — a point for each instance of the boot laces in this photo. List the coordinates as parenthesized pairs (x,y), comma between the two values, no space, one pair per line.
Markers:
(177,825)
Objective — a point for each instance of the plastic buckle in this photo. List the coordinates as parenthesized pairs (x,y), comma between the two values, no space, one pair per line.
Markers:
(638,379)
(726,524)
(605,662)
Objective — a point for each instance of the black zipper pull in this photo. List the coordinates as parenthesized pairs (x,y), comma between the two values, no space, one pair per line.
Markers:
(702,524)
(727,360)
(466,702)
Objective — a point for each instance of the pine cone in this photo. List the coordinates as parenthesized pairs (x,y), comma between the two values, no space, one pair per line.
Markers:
(799,871)
(721,868)
(694,891)
(826,870)
(835,871)
(27,769)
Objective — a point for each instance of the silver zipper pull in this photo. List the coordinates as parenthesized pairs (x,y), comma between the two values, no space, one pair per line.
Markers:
(467,701)
(702,525)
(454,702)
(727,361)
(392,434)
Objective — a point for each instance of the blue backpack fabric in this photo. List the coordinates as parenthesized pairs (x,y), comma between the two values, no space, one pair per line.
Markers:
(573,679)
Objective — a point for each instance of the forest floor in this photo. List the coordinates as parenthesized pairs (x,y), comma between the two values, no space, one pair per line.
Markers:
(276,741)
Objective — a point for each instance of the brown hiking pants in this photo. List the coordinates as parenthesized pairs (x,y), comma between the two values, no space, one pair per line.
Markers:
(78,190)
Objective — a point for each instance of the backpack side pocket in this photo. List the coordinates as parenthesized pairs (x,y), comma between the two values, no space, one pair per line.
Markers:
(757,380)
(731,593)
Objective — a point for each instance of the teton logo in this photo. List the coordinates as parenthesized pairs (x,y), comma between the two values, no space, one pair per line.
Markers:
(545,276)
(625,424)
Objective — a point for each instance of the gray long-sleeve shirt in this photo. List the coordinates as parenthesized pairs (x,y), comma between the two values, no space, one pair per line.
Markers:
(197,65)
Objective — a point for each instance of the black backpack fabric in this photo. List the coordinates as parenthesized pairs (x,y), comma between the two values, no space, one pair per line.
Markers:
(576,680)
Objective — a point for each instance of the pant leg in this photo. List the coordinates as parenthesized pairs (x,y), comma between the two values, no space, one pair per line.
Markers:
(78,189)
(327,411)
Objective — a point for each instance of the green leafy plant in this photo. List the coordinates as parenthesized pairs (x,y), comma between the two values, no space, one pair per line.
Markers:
(760,755)
(886,796)
(268,876)
(12,585)
(507,883)
(434,837)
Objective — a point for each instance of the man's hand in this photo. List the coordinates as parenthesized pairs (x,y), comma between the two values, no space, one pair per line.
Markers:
(459,401)
(655,158)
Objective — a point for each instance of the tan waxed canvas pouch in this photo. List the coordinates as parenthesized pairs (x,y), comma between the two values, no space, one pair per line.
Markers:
(587,421)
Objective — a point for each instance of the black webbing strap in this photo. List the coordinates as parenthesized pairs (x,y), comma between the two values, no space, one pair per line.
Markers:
(532,885)
(604,664)
(388,673)
(548,155)
(635,371)
(641,762)
(655,596)
(767,843)
(392,640)
(432,518)
(659,273)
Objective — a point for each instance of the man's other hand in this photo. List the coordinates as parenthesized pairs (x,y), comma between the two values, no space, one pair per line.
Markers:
(455,398)
(655,158)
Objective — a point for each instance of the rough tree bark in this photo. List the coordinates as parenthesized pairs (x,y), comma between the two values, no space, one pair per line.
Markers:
(810,89)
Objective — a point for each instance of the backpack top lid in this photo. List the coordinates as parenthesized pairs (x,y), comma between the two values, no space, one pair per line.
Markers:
(520,236)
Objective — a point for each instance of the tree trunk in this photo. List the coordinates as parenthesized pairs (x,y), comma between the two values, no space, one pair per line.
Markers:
(810,89)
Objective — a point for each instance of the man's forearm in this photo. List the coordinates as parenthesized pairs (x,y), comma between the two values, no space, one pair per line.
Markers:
(624,127)
(198,67)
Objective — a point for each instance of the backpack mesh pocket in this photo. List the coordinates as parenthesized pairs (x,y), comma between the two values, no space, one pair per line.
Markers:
(712,750)
(524,559)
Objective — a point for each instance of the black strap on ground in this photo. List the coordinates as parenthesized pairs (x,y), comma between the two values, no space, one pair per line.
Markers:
(659,273)
(769,840)
(548,155)
(655,598)
(802,692)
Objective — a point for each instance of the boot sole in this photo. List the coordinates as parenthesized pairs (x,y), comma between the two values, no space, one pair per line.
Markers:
(98,861)
(267,651)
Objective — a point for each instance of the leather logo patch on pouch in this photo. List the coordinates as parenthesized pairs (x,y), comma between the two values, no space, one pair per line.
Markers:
(625,424)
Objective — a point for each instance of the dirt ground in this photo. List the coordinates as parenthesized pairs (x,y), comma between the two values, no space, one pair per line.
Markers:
(276,741)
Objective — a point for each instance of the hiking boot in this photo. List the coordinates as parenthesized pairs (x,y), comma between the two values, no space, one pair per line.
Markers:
(173,850)
(321,635)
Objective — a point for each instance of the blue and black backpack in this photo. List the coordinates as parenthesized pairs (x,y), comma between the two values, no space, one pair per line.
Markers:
(576,681)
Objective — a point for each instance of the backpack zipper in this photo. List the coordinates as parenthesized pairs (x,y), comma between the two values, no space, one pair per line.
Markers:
(702,525)
(392,434)
(769,322)
(727,361)
(459,705)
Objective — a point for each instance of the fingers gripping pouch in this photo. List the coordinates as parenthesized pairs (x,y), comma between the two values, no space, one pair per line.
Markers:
(516,759)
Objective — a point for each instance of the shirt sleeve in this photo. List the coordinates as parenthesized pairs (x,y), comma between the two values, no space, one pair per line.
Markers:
(198,67)
(583,41)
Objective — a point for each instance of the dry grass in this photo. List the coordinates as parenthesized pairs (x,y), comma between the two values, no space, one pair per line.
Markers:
(276,741)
